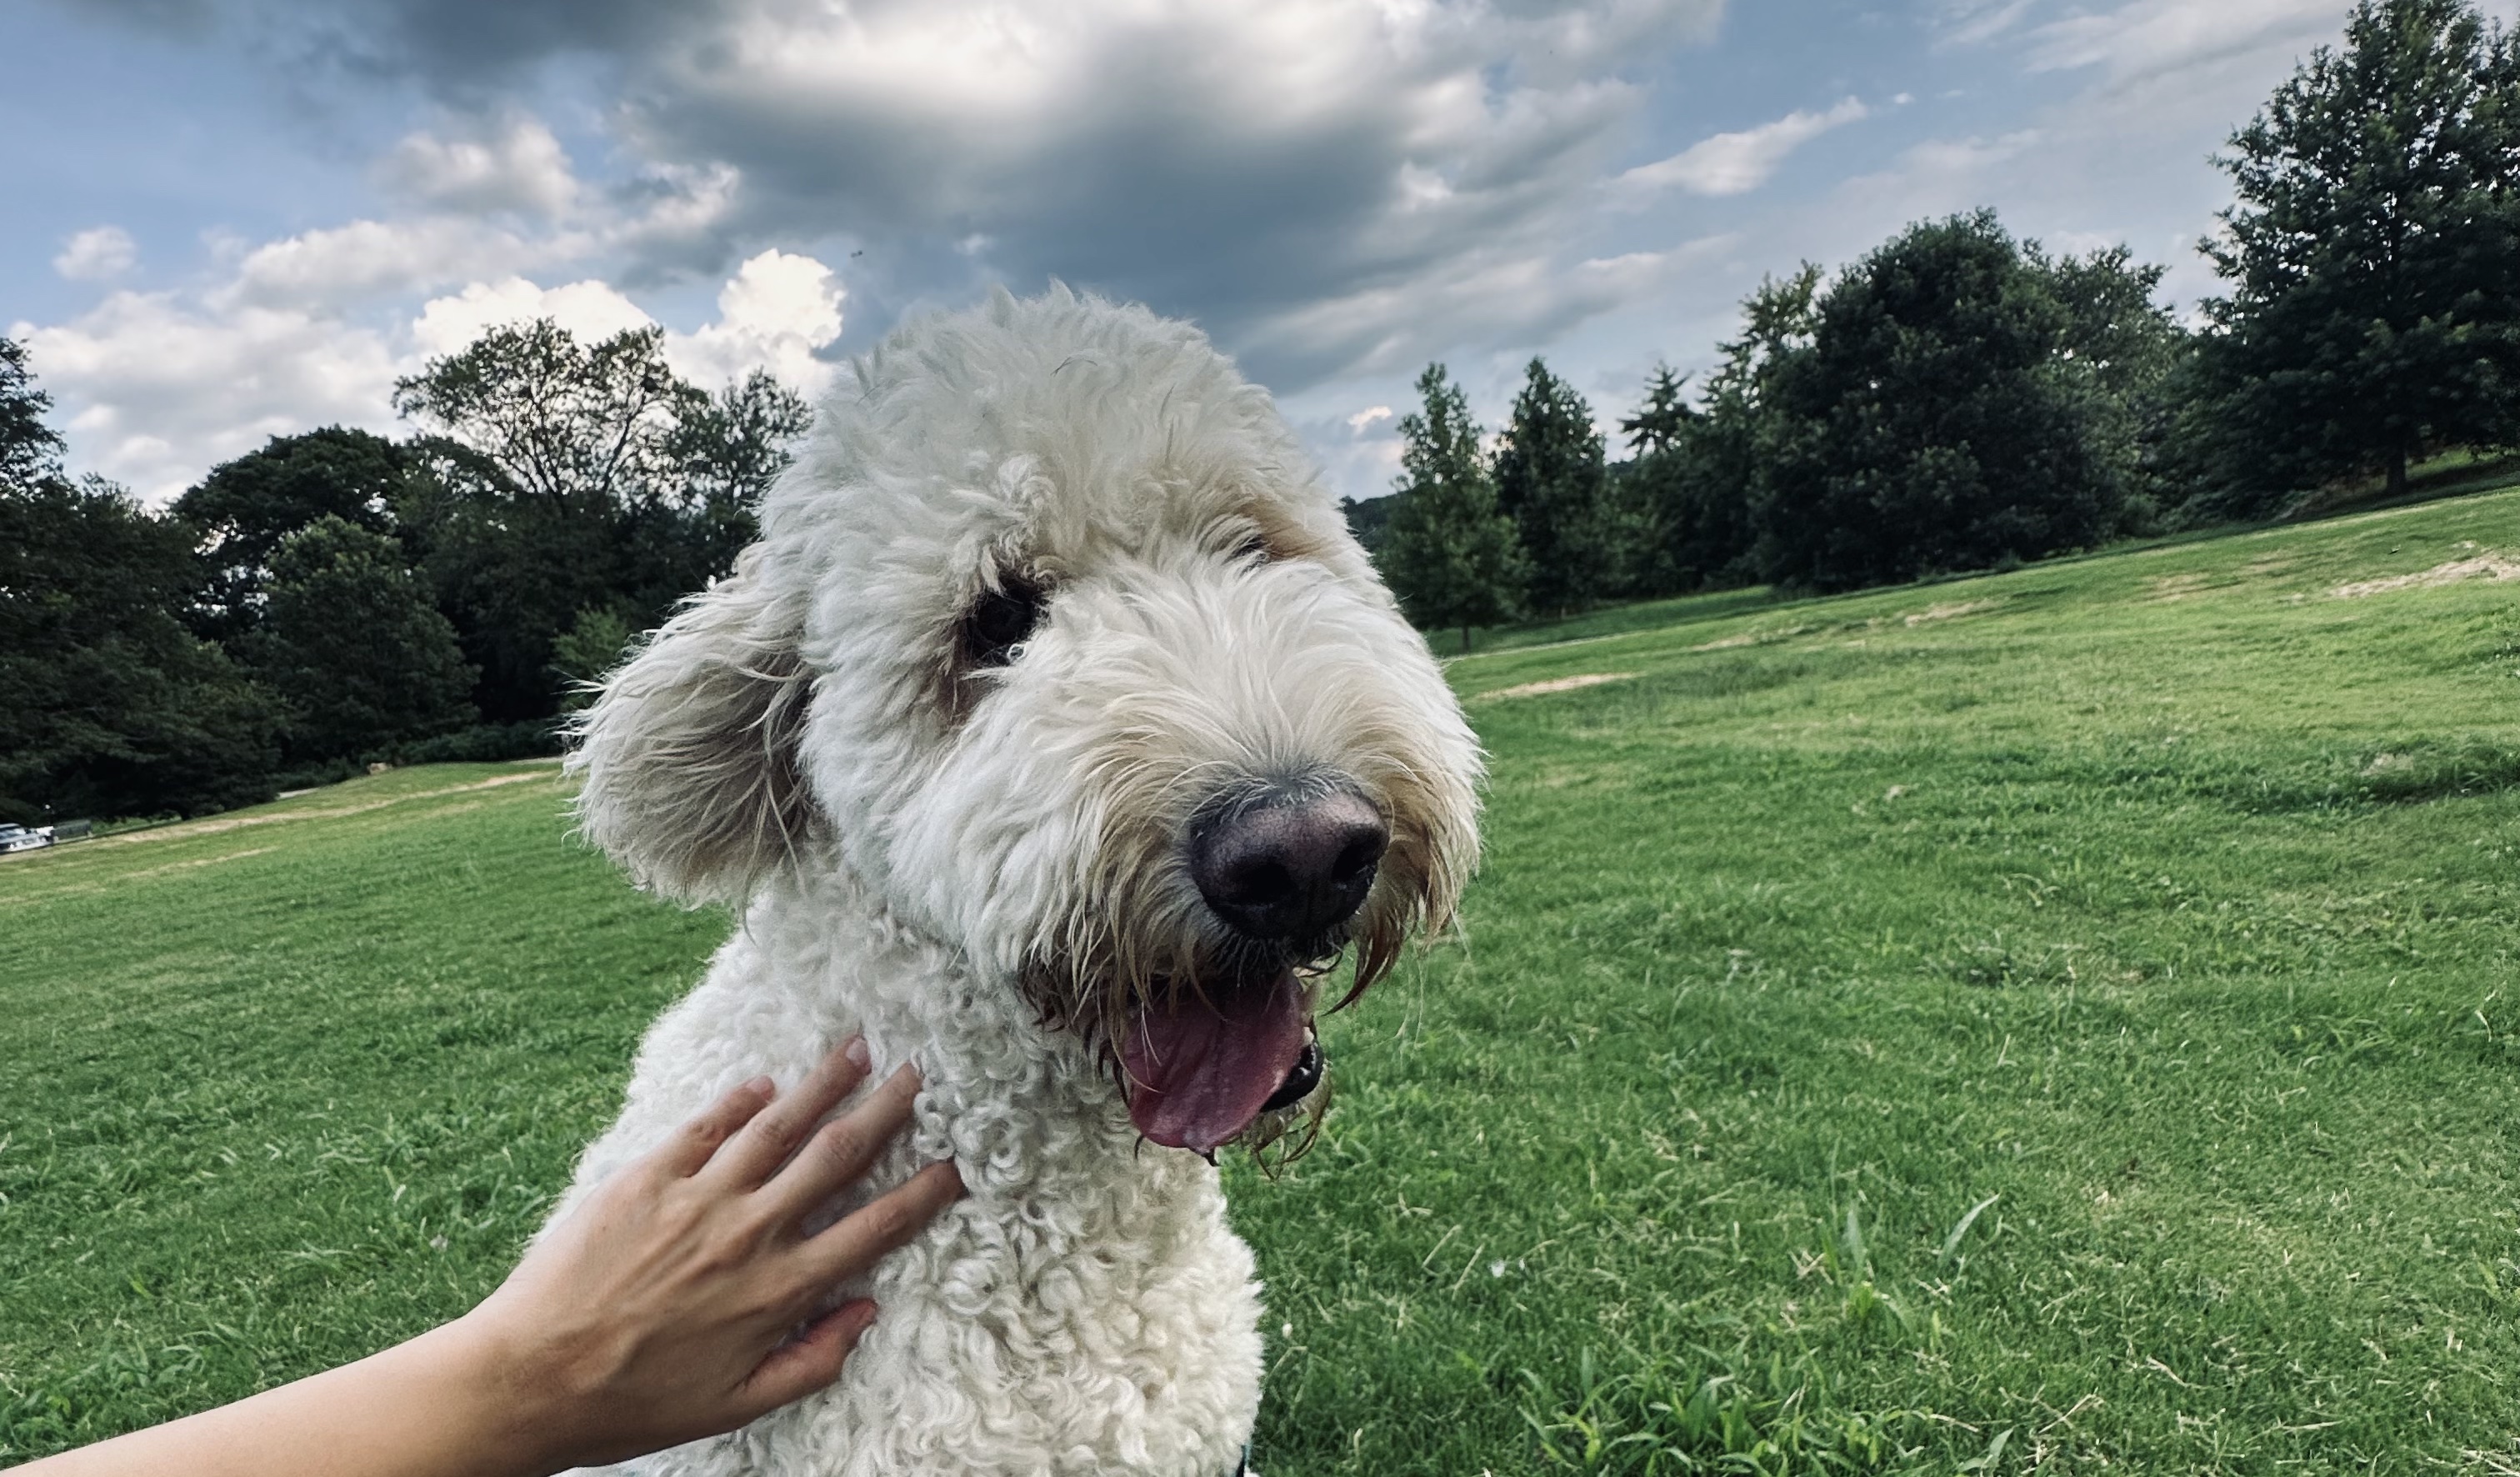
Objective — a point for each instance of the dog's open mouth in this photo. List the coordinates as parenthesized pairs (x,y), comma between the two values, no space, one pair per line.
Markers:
(1201,1069)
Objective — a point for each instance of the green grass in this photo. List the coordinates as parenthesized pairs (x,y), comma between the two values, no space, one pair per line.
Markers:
(2056,1021)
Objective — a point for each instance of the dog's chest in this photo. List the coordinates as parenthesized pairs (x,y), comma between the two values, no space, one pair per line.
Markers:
(1085,1310)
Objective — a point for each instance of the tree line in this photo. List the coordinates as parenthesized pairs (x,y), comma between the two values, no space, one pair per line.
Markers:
(337,598)
(1958,400)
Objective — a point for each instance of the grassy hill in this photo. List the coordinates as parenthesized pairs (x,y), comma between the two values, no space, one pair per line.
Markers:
(2051,1021)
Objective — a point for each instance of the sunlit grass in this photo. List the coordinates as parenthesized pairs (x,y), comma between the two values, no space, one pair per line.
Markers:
(2049,1021)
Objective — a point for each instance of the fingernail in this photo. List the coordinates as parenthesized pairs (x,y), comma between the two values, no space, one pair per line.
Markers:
(761,1086)
(856,1052)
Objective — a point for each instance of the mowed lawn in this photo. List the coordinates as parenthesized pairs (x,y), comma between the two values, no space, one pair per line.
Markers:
(2056,1021)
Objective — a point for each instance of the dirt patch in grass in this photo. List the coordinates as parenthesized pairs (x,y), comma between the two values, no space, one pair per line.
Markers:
(1948,612)
(1558,684)
(2482,566)
(217,824)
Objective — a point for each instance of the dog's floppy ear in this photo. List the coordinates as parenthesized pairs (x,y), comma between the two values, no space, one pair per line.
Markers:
(689,756)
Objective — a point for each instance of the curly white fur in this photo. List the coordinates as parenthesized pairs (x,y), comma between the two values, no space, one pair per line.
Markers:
(921,841)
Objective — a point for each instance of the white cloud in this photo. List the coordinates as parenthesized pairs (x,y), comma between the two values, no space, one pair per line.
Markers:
(1357,423)
(1972,21)
(514,165)
(158,391)
(1736,163)
(589,310)
(2151,38)
(773,314)
(1498,299)
(157,387)
(368,259)
(97,253)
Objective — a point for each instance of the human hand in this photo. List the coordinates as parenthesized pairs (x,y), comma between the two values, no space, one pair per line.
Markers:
(655,1312)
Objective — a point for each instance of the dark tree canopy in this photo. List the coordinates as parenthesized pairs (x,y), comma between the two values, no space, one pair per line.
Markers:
(108,706)
(29,447)
(1706,483)
(1549,480)
(1929,426)
(2373,256)
(1447,551)
(560,478)
(2127,357)
(242,510)
(351,642)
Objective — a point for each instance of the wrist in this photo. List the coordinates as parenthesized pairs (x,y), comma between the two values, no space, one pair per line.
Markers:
(498,1390)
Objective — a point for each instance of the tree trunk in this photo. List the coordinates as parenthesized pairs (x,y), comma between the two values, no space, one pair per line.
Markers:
(1466,639)
(2398,470)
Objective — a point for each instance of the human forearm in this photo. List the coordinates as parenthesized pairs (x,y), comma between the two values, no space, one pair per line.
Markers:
(444,1405)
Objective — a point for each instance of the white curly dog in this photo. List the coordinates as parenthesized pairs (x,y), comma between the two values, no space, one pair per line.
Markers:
(1054,734)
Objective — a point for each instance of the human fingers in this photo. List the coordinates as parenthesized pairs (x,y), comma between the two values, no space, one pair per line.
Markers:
(797,1370)
(688,1149)
(755,1154)
(840,1150)
(861,1238)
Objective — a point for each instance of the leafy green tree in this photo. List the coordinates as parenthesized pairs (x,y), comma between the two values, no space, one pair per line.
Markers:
(108,706)
(353,644)
(1930,425)
(242,511)
(2130,359)
(1449,552)
(559,477)
(2373,256)
(587,650)
(1368,519)
(1696,474)
(1639,495)
(29,447)
(1550,481)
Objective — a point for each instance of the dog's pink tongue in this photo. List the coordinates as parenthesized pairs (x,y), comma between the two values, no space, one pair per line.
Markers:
(1198,1072)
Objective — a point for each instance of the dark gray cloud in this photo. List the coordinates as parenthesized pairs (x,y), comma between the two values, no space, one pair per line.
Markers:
(1247,164)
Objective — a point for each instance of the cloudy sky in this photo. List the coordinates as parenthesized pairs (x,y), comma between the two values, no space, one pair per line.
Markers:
(231,219)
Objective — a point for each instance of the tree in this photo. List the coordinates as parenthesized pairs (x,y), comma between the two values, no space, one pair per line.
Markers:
(1368,519)
(1930,423)
(1449,552)
(1641,495)
(241,512)
(29,448)
(107,705)
(2128,358)
(557,478)
(353,644)
(1549,480)
(587,650)
(2373,256)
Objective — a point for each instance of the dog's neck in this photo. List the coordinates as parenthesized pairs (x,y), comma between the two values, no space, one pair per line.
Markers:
(1031,1100)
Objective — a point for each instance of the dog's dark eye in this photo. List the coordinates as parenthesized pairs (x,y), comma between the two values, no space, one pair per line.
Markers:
(1000,621)
(1254,548)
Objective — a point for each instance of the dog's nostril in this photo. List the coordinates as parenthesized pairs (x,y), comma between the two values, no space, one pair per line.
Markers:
(1290,868)
(1265,884)
(1363,854)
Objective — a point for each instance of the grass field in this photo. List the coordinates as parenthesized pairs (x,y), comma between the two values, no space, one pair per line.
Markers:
(2056,1021)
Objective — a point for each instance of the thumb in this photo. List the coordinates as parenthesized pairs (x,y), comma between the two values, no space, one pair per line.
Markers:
(799,1370)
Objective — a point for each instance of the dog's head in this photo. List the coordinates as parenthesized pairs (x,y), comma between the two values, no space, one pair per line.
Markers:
(1055,642)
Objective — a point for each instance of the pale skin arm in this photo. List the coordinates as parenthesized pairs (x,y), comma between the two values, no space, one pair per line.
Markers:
(653,1315)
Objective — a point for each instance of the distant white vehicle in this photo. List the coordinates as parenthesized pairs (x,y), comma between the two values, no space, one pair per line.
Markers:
(25,838)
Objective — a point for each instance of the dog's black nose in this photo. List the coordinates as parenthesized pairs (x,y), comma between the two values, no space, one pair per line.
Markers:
(1290,868)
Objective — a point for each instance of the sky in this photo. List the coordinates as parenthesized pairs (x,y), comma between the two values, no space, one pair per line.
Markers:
(230,219)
